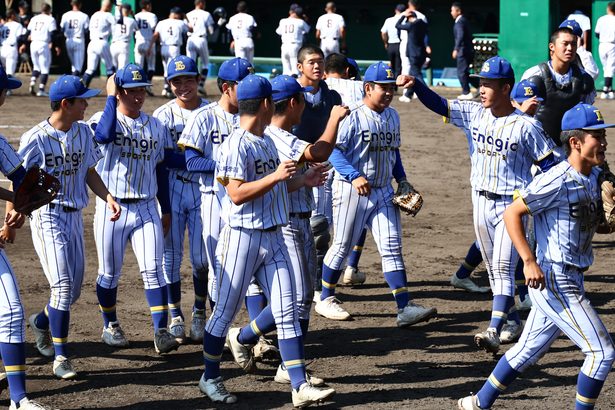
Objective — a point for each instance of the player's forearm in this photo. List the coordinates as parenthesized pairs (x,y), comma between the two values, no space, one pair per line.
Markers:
(430,99)
(513,218)
(295,183)
(322,148)
(399,173)
(174,160)
(343,166)
(196,162)
(162,180)
(104,132)
(97,185)
(16,177)
(242,192)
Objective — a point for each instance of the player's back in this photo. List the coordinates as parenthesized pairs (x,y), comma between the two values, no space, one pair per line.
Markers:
(351,91)
(10,33)
(605,26)
(201,21)
(146,24)
(101,24)
(41,27)
(241,25)
(124,31)
(171,31)
(292,30)
(74,23)
(330,25)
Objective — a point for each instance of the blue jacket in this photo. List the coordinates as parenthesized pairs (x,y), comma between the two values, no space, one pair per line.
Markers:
(315,116)
(463,37)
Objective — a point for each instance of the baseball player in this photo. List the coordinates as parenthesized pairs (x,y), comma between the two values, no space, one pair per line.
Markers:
(243,28)
(501,163)
(132,145)
(10,33)
(292,30)
(252,245)
(41,28)
(63,146)
(202,26)
(330,30)
(74,24)
(144,55)
(170,32)
(121,34)
(566,204)
(605,31)
(101,24)
(183,76)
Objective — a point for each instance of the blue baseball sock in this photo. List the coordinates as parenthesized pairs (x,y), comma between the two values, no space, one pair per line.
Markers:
(397,283)
(42,319)
(263,324)
(87,78)
(212,353)
(471,261)
(106,303)
(498,381)
(355,255)
(174,297)
(588,390)
(501,306)
(14,358)
(200,292)
(58,324)
(305,324)
(255,305)
(329,281)
(520,281)
(157,301)
(291,351)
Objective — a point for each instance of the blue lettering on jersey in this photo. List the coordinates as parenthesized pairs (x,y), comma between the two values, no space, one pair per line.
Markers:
(266,167)
(587,213)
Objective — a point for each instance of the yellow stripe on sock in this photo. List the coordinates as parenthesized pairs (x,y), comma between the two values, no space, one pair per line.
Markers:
(46,311)
(399,290)
(290,364)
(110,309)
(496,383)
(211,358)
(495,313)
(173,306)
(468,266)
(255,328)
(15,368)
(586,400)
(520,282)
(199,298)
(357,248)
(59,339)
(328,285)
(155,309)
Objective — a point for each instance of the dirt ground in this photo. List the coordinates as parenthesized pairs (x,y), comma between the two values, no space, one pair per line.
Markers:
(368,360)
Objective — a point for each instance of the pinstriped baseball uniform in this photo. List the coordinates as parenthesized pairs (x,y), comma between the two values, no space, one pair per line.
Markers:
(185,203)
(146,22)
(202,25)
(171,33)
(74,25)
(503,150)
(9,52)
(330,26)
(41,26)
(121,35)
(241,26)
(57,229)
(101,24)
(291,30)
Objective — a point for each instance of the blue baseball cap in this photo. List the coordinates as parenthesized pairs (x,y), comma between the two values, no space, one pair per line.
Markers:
(131,76)
(524,90)
(6,82)
(253,86)
(235,69)
(584,117)
(496,68)
(572,25)
(181,66)
(285,86)
(70,86)
(379,73)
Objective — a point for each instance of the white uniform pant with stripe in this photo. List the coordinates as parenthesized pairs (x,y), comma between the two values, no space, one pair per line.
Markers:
(140,224)
(9,56)
(323,198)
(211,204)
(289,58)
(119,53)
(141,56)
(246,253)
(12,318)
(41,56)
(98,49)
(244,48)
(75,48)
(300,244)
(197,49)
(57,236)
(329,46)
(168,52)
(563,307)
(606,51)
(352,213)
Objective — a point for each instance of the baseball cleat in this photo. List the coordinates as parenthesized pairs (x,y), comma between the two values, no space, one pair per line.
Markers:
(197,328)
(25,404)
(331,309)
(42,338)
(316,297)
(510,332)
(414,313)
(114,336)
(469,403)
(215,390)
(32,89)
(63,369)
(42,93)
(467,284)
(242,354)
(488,340)
(282,377)
(264,349)
(307,395)
(178,329)
(404,99)
(352,276)
(525,304)
(164,342)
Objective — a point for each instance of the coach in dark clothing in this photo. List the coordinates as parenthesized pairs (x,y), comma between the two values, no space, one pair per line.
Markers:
(463,51)
(416,51)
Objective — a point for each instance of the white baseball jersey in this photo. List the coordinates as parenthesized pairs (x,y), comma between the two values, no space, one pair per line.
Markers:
(605,26)
(41,26)
(247,158)
(171,32)
(330,26)
(389,28)
(241,25)
(504,148)
(101,24)
(66,155)
(201,21)
(74,24)
(10,33)
(124,31)
(128,164)
(292,30)
(351,91)
(146,22)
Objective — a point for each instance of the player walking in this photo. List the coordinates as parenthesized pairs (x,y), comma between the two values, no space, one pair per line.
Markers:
(203,25)
(292,29)
(330,30)
(41,28)
(74,25)
(11,33)
(605,31)
(243,28)
(121,34)
(566,204)
(101,24)
(145,53)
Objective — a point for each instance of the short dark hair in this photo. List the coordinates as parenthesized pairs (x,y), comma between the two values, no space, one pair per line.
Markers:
(611,6)
(280,106)
(220,82)
(414,3)
(145,3)
(560,30)
(308,49)
(23,4)
(57,105)
(565,138)
(336,63)
(457,5)
(250,107)
(75,3)
(46,8)
(242,7)
(196,2)
(10,13)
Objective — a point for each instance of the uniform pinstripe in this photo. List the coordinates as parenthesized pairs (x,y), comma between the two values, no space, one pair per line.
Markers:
(121,35)
(202,25)
(41,26)
(74,25)
(146,22)
(9,35)
(101,24)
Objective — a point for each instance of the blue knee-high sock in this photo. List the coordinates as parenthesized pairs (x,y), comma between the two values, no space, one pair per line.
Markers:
(14,358)
(513,315)
(588,390)
(200,292)
(42,319)
(43,81)
(355,255)
(291,351)
(255,305)
(212,353)
(87,79)
(520,281)
(397,283)
(329,281)
(501,306)
(107,299)
(471,261)
(305,324)
(174,297)
(58,324)
(498,381)
(261,325)
(157,301)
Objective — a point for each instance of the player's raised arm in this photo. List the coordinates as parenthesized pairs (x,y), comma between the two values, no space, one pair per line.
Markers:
(322,148)
(104,130)
(428,97)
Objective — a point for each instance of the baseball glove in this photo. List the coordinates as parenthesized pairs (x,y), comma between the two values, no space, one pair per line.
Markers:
(407,198)
(606,180)
(38,188)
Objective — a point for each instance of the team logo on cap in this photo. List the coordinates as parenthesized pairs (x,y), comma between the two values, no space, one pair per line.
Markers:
(389,73)
(251,70)
(180,66)
(485,67)
(528,91)
(136,75)
(599,115)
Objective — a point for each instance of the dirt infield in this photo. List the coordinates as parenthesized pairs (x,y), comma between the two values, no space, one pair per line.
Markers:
(368,360)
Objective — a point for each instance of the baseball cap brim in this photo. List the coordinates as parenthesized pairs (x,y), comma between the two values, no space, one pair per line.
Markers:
(522,99)
(392,81)
(89,93)
(12,83)
(184,74)
(598,127)
(488,76)
(136,85)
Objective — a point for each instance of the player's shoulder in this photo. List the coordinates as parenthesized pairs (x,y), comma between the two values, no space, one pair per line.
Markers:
(164,108)
(39,130)
(529,123)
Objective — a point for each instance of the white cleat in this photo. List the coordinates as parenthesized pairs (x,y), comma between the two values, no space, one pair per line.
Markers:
(32,88)
(469,403)
(352,276)
(114,336)
(197,327)
(242,354)
(331,309)
(282,377)
(604,95)
(404,99)
(308,395)
(178,329)
(42,93)
(316,297)
(467,284)
(525,304)
(215,390)
(488,340)
(164,342)
(25,404)
(414,313)
(510,332)
(42,338)
(63,368)
(610,95)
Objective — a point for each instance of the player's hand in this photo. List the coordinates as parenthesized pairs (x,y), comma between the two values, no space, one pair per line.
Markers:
(529,104)
(111,87)
(428,50)
(454,54)
(22,49)
(58,51)
(534,276)
(404,80)
(315,176)
(166,223)
(285,170)
(14,219)
(8,234)
(339,112)
(362,186)
(115,208)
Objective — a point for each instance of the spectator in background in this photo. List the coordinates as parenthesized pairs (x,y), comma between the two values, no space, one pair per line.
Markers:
(390,37)
(403,46)
(584,22)
(416,49)
(24,13)
(605,31)
(463,51)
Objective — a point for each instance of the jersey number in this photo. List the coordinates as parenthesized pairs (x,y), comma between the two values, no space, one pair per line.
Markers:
(142,24)
(170,31)
(329,23)
(39,26)
(123,29)
(5,33)
(73,23)
(289,29)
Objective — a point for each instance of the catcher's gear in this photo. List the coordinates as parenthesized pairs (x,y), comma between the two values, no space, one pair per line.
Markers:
(38,188)
(607,188)
(407,198)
